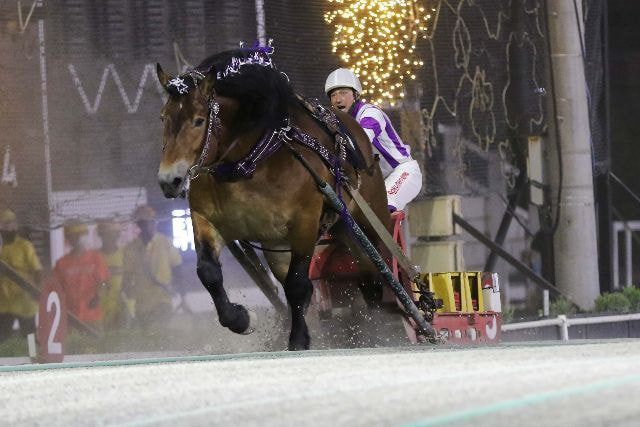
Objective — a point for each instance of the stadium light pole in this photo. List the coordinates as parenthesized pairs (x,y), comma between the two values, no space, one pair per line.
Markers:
(53,243)
(575,241)
(260,23)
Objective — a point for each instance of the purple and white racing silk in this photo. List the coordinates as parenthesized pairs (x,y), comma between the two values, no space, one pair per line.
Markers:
(384,138)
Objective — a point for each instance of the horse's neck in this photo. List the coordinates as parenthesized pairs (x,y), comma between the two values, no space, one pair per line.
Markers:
(239,145)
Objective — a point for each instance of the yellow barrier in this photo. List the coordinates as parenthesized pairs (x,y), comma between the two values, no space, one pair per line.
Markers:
(460,292)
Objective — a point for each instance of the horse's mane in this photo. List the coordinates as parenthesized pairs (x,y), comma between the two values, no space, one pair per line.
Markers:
(264,92)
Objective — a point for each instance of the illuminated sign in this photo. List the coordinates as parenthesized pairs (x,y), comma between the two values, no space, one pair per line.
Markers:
(182,230)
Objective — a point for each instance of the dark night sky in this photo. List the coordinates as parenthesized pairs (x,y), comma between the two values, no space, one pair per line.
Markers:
(624,63)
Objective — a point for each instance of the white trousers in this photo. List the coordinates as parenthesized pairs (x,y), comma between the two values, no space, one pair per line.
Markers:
(403,184)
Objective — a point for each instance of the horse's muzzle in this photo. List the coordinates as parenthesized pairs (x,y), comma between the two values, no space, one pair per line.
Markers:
(172,189)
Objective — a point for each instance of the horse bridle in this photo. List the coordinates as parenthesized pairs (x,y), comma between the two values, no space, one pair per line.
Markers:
(213,120)
(264,148)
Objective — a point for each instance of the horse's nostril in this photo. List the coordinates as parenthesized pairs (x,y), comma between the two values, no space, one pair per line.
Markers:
(177,181)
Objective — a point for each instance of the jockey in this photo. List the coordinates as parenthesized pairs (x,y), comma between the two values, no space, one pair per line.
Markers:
(402,175)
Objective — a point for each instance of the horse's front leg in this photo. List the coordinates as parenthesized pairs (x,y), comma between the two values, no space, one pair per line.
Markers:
(298,290)
(209,243)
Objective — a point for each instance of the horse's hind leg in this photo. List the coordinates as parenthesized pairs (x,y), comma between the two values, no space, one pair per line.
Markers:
(278,263)
(370,283)
(208,245)
(298,290)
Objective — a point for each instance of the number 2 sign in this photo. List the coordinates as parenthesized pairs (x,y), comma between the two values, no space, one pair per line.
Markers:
(52,324)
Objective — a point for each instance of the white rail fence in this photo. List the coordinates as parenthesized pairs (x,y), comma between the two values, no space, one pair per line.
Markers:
(563,322)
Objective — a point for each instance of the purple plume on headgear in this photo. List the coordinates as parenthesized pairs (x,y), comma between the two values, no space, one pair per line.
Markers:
(259,55)
(268,49)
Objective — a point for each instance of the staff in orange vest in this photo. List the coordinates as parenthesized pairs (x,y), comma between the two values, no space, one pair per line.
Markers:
(81,273)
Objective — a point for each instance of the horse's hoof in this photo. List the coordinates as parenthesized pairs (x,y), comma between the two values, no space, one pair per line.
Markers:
(243,321)
(300,344)
(253,320)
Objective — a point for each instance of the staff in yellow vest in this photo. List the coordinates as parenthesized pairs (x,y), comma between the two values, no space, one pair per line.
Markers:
(148,263)
(18,253)
(114,304)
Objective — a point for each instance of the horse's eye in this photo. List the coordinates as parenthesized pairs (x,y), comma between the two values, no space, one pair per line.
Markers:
(198,122)
(162,118)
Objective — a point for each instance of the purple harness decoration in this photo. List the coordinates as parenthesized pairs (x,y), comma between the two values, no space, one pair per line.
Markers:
(181,85)
(245,168)
(271,142)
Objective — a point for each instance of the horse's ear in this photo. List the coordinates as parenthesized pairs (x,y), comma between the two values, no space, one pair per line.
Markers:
(209,81)
(162,76)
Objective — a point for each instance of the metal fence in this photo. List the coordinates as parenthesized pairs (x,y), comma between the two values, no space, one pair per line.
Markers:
(80,102)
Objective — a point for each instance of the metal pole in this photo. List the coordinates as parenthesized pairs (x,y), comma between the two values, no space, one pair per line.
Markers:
(564,327)
(503,229)
(628,259)
(604,206)
(45,129)
(575,243)
(504,254)
(605,223)
(424,327)
(249,260)
(260,25)
(545,303)
(615,254)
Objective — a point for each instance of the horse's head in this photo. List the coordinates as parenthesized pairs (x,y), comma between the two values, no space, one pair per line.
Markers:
(252,95)
(185,122)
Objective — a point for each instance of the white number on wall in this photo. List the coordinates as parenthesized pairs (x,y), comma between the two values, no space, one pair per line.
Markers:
(53,346)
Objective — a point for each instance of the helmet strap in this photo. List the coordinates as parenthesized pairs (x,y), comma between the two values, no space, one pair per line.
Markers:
(353,106)
(356,98)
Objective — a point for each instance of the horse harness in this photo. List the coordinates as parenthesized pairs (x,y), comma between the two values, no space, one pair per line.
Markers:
(273,139)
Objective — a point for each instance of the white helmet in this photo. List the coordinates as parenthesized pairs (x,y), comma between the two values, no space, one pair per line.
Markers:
(342,77)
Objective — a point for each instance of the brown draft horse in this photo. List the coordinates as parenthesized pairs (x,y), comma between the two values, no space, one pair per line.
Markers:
(244,97)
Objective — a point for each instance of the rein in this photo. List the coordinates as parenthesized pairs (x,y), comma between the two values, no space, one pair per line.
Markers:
(214,109)
(212,121)
(248,243)
(268,144)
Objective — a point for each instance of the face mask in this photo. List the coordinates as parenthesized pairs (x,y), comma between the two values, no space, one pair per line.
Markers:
(78,243)
(147,230)
(85,242)
(8,236)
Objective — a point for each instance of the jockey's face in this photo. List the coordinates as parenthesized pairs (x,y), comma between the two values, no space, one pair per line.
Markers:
(342,98)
